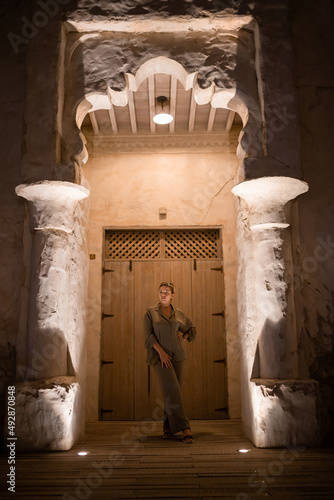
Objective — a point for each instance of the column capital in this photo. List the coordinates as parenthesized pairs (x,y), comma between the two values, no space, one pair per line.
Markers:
(266,198)
(51,203)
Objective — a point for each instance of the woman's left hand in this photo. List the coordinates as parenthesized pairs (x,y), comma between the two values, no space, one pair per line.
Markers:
(182,336)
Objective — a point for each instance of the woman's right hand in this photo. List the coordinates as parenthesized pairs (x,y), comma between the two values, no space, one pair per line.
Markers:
(165,359)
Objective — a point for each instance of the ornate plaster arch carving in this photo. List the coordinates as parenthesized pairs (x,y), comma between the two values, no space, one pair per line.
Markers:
(166,66)
(227,98)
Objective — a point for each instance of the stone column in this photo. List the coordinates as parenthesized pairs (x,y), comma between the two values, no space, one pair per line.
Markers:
(51,213)
(52,393)
(277,344)
(269,349)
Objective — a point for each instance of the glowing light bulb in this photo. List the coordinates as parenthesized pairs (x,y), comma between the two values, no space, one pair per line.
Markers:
(162,118)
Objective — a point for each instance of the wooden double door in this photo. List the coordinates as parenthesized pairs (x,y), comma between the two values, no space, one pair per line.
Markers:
(129,387)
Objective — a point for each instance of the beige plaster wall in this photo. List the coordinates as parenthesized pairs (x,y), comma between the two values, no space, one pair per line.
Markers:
(127,190)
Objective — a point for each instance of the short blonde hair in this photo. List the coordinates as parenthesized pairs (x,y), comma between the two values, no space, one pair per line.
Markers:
(170,285)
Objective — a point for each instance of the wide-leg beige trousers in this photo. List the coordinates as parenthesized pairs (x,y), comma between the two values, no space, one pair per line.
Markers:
(175,418)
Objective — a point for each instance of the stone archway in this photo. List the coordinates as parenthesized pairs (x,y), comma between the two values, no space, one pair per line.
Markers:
(265,185)
(215,179)
(273,323)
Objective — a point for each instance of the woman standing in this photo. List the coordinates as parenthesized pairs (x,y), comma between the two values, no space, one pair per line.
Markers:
(165,329)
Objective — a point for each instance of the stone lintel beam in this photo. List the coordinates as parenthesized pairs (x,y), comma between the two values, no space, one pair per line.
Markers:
(52,220)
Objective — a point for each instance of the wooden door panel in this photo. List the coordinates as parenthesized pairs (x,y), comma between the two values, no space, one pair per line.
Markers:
(130,389)
(146,387)
(220,396)
(209,348)
(117,342)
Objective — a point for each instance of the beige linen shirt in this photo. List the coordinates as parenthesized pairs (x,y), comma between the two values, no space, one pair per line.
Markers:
(159,328)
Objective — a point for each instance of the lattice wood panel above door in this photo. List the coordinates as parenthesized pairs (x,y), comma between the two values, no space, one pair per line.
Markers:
(162,245)
(191,244)
(133,245)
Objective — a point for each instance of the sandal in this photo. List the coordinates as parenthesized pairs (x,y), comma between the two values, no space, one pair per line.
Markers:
(188,439)
(167,435)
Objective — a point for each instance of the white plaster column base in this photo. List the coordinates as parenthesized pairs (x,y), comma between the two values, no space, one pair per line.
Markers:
(284,413)
(48,414)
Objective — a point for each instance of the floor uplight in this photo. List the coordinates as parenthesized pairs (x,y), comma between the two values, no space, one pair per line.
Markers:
(83,453)
(243,450)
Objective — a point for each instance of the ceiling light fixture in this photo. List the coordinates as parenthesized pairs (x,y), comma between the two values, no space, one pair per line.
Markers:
(162,118)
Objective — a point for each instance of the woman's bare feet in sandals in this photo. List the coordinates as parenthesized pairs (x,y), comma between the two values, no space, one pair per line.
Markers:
(167,434)
(187,437)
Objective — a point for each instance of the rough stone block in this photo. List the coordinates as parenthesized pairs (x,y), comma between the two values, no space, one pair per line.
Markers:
(284,413)
(47,414)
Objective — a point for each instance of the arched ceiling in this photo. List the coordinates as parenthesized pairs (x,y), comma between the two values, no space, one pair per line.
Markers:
(137,116)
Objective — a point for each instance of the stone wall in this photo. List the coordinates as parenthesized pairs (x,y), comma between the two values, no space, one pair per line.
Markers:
(314,265)
(12,96)
(12,216)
